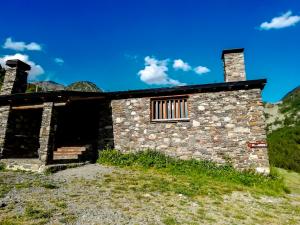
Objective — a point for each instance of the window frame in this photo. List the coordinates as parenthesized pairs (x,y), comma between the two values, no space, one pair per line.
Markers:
(173,97)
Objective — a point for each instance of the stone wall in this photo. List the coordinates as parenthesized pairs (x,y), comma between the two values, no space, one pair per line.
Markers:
(22,138)
(223,126)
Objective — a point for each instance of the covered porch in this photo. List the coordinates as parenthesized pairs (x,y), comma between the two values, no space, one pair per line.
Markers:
(49,128)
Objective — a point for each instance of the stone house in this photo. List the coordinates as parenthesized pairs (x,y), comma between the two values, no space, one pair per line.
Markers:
(222,122)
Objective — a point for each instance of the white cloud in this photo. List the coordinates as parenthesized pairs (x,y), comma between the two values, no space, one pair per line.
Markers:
(36,70)
(285,20)
(155,72)
(59,61)
(201,70)
(21,46)
(179,64)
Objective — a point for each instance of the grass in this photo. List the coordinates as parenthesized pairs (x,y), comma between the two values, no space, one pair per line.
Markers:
(61,204)
(33,215)
(7,182)
(2,167)
(4,188)
(192,177)
(170,221)
(49,185)
(33,212)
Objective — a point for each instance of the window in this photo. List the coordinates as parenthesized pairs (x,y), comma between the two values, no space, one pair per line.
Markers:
(168,109)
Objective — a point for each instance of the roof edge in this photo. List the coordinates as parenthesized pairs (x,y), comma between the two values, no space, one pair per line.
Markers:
(189,89)
(238,85)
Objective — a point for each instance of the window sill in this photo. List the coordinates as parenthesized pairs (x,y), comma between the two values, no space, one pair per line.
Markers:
(170,120)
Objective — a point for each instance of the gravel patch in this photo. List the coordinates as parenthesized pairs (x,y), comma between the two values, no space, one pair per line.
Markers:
(89,171)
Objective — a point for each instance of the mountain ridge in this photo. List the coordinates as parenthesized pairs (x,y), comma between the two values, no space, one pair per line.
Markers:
(45,86)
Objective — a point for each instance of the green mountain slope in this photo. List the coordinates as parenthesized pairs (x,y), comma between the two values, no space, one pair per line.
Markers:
(291,103)
(284,131)
(285,113)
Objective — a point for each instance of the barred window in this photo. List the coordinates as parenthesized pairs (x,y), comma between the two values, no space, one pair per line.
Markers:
(169,109)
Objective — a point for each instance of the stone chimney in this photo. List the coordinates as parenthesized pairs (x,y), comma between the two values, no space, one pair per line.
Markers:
(15,79)
(234,65)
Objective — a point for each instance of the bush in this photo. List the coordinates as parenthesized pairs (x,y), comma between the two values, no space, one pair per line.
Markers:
(195,171)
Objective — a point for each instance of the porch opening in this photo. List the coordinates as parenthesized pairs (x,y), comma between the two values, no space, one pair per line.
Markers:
(77,127)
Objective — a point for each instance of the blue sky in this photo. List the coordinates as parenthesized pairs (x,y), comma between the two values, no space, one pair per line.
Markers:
(109,42)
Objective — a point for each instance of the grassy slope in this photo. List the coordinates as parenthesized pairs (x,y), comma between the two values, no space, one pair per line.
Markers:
(284,143)
(216,202)
(192,177)
(284,147)
(291,179)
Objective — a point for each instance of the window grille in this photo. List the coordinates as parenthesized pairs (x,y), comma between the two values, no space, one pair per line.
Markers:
(169,109)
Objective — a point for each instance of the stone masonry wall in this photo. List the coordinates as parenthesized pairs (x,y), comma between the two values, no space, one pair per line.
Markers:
(15,81)
(222,127)
(234,67)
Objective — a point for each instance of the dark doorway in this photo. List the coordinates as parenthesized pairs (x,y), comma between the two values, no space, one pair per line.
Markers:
(78,124)
(22,140)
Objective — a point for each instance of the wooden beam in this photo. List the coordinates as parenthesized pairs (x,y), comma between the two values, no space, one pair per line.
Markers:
(39,106)
(85,98)
(60,104)
(21,107)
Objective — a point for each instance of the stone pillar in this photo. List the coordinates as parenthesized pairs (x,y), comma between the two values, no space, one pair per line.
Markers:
(47,133)
(105,137)
(15,79)
(4,114)
(234,65)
